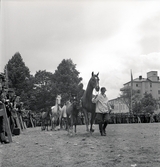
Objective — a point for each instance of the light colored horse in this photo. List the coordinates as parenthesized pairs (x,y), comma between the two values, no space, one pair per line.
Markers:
(63,117)
(56,113)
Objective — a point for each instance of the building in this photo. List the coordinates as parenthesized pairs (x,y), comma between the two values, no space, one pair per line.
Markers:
(151,84)
(119,106)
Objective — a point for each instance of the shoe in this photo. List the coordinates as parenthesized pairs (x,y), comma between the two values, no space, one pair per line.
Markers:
(3,139)
(6,141)
(102,133)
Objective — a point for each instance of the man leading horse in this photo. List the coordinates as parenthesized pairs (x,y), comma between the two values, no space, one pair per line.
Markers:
(103,110)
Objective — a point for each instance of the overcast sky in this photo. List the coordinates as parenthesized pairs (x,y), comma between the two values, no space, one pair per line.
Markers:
(110,37)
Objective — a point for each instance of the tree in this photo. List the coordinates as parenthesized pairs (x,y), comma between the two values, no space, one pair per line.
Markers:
(127,99)
(42,96)
(67,80)
(40,91)
(17,74)
(149,104)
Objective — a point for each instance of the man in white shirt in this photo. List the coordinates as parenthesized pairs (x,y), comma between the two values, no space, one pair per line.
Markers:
(103,110)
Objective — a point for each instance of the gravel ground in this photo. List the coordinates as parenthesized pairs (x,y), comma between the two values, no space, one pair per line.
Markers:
(135,145)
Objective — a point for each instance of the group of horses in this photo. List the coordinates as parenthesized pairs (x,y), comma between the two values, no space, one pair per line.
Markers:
(69,111)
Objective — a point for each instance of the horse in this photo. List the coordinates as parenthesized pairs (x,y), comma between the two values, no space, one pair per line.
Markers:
(63,117)
(87,105)
(55,114)
(45,119)
(72,110)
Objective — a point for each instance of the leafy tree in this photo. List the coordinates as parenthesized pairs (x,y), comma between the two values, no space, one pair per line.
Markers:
(17,74)
(127,99)
(137,107)
(67,80)
(149,104)
(39,92)
(41,98)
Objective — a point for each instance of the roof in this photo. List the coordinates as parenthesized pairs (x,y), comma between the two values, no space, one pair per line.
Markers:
(141,80)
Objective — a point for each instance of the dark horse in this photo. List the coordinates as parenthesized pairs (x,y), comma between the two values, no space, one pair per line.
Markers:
(45,119)
(87,105)
(72,110)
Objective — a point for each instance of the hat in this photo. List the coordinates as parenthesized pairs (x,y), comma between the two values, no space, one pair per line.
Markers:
(103,88)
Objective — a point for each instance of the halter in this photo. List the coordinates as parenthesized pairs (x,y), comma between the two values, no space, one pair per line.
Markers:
(58,99)
(95,80)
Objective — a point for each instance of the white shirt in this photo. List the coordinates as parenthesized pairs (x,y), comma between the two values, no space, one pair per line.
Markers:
(102,105)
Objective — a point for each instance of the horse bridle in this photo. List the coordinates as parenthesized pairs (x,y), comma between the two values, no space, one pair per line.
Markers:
(58,99)
(96,78)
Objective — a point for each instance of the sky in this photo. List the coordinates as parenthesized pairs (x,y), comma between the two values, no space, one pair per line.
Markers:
(112,37)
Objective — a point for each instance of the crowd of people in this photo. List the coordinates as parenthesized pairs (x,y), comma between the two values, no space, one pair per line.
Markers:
(13,108)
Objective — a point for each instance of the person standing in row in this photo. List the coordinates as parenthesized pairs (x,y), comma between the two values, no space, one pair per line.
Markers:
(103,110)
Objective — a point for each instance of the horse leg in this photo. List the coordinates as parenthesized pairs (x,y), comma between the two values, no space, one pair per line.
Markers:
(86,119)
(42,125)
(67,123)
(59,123)
(47,124)
(75,130)
(71,127)
(92,121)
(75,124)
(52,123)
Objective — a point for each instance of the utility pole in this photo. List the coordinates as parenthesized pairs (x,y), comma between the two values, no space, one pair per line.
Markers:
(131,91)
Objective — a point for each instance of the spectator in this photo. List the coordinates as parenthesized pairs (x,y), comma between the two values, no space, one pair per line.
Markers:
(3,138)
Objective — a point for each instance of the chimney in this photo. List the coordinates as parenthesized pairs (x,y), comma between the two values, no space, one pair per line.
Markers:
(140,77)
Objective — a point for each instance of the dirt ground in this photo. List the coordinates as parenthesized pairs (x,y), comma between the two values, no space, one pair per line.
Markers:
(135,145)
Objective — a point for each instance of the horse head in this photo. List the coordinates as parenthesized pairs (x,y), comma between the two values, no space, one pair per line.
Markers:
(94,81)
(58,100)
(75,103)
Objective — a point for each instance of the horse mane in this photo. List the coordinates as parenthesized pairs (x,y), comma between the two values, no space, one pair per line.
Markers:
(89,90)
(88,95)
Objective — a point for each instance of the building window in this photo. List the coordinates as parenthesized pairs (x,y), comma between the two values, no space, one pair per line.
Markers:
(136,85)
(158,91)
(150,85)
(138,91)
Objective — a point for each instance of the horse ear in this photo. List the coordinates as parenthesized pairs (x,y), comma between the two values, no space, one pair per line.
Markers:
(92,74)
(97,73)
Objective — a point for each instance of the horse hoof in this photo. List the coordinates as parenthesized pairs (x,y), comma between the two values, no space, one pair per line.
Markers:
(92,130)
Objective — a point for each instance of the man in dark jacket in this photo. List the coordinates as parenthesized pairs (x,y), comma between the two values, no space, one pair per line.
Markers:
(2,127)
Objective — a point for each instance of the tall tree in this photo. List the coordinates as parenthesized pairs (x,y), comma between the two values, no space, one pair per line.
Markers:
(18,74)
(67,79)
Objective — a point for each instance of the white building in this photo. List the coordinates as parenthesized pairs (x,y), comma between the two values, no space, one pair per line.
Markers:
(151,84)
